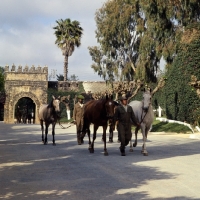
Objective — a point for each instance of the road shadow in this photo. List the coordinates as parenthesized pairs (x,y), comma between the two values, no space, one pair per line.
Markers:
(31,170)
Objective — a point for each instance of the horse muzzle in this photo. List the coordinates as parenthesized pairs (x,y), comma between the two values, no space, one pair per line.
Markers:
(58,113)
(110,116)
(145,109)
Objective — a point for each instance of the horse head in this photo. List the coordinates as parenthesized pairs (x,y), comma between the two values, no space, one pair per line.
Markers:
(146,99)
(56,104)
(110,106)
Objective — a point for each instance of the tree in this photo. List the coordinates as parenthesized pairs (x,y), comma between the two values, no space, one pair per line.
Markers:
(68,36)
(165,22)
(117,55)
(2,92)
(1,78)
(73,77)
(60,77)
(134,35)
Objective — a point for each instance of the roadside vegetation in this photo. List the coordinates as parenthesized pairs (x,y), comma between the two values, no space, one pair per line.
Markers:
(158,126)
(169,127)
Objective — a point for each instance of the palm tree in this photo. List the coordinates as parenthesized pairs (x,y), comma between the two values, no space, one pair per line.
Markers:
(68,36)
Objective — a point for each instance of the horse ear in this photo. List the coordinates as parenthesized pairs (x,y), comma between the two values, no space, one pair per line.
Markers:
(116,103)
(59,97)
(53,97)
(143,90)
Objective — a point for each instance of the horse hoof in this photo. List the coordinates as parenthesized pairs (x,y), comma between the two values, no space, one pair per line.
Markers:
(110,141)
(131,150)
(134,145)
(91,150)
(54,144)
(105,153)
(145,154)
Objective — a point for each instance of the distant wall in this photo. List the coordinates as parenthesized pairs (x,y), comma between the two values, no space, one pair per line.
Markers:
(93,86)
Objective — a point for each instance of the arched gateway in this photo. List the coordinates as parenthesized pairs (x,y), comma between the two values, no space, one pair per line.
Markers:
(19,83)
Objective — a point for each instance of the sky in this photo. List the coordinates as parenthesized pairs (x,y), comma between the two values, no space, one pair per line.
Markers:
(27,35)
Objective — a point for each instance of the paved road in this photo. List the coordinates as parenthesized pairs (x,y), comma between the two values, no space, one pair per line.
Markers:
(31,170)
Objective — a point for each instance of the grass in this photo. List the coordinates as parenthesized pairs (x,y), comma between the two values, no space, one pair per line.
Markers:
(158,126)
(169,127)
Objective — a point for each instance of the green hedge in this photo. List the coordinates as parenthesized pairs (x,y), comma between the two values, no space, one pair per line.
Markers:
(182,102)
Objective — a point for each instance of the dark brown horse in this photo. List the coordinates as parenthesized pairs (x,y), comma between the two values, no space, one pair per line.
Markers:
(49,113)
(98,112)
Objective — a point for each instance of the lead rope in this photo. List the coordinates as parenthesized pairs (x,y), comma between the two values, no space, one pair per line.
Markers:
(71,124)
(144,115)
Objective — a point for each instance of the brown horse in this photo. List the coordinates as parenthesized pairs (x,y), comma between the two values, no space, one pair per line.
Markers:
(49,113)
(98,112)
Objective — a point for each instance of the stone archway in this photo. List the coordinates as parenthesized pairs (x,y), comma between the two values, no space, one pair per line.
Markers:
(31,83)
(27,95)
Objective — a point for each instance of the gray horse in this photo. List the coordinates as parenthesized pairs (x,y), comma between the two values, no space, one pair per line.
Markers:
(144,113)
(49,113)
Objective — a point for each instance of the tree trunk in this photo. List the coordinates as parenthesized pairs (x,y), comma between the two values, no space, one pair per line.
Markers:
(65,68)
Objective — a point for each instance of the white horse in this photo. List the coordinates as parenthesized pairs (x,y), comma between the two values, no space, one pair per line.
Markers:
(144,113)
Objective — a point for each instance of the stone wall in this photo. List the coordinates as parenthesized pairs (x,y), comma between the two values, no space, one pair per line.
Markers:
(24,82)
(93,86)
(32,82)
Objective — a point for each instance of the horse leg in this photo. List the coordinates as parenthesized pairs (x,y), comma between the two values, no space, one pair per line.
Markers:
(131,147)
(53,133)
(46,132)
(42,129)
(82,135)
(136,132)
(144,151)
(147,131)
(110,134)
(88,134)
(94,138)
(90,147)
(104,139)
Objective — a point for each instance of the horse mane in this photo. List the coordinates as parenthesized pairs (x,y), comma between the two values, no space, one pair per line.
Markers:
(50,105)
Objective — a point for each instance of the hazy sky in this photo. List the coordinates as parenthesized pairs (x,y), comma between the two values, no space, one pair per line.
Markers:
(27,34)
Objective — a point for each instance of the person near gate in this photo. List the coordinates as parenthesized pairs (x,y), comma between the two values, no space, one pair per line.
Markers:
(78,114)
(124,118)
